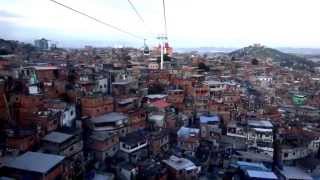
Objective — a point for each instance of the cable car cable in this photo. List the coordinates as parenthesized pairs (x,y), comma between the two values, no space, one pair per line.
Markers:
(140,17)
(99,21)
(136,11)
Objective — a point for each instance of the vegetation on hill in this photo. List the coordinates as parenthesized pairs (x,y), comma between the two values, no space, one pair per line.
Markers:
(284,59)
(15,47)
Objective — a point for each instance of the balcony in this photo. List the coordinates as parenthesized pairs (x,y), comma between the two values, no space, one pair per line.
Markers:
(131,148)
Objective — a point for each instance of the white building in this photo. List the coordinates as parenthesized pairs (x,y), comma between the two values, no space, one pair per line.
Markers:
(102,85)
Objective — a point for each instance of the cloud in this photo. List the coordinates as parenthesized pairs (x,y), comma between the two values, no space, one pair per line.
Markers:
(7,14)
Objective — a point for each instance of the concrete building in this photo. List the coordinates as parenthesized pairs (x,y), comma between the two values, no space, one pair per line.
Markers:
(42,44)
(110,122)
(133,147)
(181,168)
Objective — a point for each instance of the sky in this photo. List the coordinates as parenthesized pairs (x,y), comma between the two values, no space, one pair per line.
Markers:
(191,23)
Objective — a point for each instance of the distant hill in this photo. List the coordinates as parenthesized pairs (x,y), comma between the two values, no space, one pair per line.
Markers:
(300,51)
(289,50)
(205,50)
(15,47)
(262,52)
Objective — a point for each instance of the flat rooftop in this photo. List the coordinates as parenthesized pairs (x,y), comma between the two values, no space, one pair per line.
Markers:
(253,155)
(260,123)
(123,82)
(110,117)
(57,137)
(294,173)
(134,138)
(261,174)
(156,96)
(208,119)
(102,136)
(35,162)
(179,163)
(186,131)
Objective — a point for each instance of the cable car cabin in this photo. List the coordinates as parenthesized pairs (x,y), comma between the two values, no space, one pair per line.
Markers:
(146,51)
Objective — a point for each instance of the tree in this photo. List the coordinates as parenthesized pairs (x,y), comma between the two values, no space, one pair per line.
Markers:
(155,89)
(166,57)
(203,66)
(56,73)
(254,61)
(72,76)
(4,52)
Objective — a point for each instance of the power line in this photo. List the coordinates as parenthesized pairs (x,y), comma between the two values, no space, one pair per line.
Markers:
(97,20)
(165,19)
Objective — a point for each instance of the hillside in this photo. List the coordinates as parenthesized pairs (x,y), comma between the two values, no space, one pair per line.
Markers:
(14,47)
(262,52)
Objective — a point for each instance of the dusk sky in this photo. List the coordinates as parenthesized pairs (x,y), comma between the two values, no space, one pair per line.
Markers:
(191,23)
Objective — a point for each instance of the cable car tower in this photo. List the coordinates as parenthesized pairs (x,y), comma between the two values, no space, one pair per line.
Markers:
(162,39)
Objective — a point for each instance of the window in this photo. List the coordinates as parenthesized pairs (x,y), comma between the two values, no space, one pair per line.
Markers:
(126,146)
(285,154)
(105,124)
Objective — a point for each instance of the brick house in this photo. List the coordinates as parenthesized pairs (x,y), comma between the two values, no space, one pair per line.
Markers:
(96,105)
(103,144)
